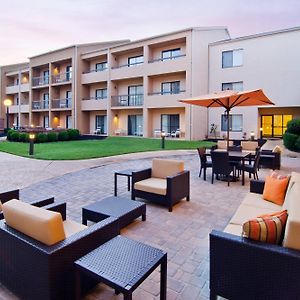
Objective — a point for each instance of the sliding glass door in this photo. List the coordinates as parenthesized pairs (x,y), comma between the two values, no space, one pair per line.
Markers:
(135,125)
(274,125)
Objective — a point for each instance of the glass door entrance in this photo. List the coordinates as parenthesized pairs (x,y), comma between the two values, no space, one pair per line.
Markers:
(274,125)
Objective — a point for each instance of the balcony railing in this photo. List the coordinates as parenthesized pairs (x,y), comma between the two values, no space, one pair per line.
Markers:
(128,65)
(62,103)
(166,58)
(62,77)
(95,70)
(127,100)
(42,80)
(166,92)
(94,98)
(40,104)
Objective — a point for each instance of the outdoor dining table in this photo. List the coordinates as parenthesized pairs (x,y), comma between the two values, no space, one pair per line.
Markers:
(240,155)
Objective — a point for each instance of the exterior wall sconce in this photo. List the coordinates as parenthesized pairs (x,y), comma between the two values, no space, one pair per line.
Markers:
(163,136)
(31,143)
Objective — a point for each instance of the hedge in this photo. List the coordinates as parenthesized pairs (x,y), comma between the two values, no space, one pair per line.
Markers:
(41,138)
(291,138)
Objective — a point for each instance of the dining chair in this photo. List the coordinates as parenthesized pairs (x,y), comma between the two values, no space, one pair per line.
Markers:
(204,163)
(251,168)
(221,166)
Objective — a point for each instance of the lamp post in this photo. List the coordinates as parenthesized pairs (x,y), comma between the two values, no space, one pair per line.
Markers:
(7,103)
(261,132)
(31,143)
(163,136)
(252,135)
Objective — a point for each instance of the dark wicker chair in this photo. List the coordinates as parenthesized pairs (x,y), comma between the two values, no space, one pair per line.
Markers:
(15,194)
(251,168)
(221,166)
(33,270)
(204,163)
(270,159)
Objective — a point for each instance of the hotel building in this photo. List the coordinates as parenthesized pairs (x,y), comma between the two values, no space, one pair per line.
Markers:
(133,88)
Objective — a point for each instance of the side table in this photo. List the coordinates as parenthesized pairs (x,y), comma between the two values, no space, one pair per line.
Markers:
(123,264)
(127,173)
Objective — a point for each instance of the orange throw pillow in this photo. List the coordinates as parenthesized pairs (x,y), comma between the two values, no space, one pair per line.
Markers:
(266,228)
(275,189)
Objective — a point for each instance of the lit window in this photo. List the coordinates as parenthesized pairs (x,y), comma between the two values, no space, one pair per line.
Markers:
(232,58)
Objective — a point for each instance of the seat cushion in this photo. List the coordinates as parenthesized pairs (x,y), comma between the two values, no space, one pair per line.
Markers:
(235,229)
(257,200)
(71,227)
(249,145)
(162,168)
(152,185)
(43,225)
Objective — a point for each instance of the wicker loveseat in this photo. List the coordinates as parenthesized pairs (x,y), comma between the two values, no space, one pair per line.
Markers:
(34,270)
(241,268)
(166,183)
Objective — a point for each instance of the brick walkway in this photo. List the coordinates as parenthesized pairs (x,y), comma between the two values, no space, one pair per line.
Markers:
(182,233)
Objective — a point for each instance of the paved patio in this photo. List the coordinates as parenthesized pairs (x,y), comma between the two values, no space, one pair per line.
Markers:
(182,233)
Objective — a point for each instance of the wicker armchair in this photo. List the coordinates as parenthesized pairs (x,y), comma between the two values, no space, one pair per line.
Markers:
(15,194)
(33,270)
(166,183)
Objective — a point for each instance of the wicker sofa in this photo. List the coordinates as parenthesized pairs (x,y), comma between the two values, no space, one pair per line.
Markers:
(35,270)
(241,268)
(166,183)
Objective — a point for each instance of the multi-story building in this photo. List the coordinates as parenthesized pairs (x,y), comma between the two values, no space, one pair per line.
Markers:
(133,88)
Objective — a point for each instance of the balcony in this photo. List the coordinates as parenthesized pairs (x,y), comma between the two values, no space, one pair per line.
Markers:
(127,71)
(62,78)
(95,75)
(165,99)
(40,81)
(12,89)
(127,100)
(166,58)
(93,103)
(24,87)
(38,105)
(62,103)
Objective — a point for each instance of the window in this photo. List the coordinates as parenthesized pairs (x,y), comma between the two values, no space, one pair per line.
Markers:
(169,123)
(135,125)
(100,94)
(101,66)
(232,58)
(68,99)
(135,95)
(170,54)
(136,60)
(170,87)
(101,124)
(46,77)
(68,73)
(235,86)
(46,122)
(45,100)
(235,123)
(68,121)
(17,81)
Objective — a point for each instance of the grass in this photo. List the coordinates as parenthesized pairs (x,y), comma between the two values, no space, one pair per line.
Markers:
(86,149)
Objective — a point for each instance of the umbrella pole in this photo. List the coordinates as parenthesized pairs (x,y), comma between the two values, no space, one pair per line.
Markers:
(227,112)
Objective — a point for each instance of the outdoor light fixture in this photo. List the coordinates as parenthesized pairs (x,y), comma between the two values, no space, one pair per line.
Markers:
(163,136)
(261,132)
(7,103)
(252,135)
(31,143)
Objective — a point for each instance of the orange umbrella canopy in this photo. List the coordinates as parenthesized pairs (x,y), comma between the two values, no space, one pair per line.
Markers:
(229,99)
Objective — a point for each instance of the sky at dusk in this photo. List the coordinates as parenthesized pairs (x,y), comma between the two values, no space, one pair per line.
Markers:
(33,27)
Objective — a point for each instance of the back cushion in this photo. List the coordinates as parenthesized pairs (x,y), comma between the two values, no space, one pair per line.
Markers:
(295,177)
(162,168)
(249,145)
(223,144)
(0,206)
(43,225)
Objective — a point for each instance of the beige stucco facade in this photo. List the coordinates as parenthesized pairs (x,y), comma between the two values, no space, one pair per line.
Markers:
(133,88)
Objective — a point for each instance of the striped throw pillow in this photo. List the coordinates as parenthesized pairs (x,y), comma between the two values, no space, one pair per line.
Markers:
(266,228)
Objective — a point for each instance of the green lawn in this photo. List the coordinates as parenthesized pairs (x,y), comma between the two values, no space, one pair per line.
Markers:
(97,148)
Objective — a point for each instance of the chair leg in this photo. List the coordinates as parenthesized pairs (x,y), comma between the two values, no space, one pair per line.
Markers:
(170,209)
(212,177)
(204,174)
(188,198)
(200,172)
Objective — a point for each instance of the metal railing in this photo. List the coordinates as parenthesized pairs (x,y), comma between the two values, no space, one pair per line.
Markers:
(62,103)
(166,58)
(128,65)
(167,92)
(41,80)
(127,100)
(62,77)
(95,70)
(94,98)
(40,104)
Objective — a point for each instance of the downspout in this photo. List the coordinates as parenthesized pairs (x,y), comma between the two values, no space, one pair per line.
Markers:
(208,87)
(75,87)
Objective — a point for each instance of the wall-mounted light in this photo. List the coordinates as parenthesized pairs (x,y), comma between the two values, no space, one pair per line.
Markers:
(116,116)
(261,132)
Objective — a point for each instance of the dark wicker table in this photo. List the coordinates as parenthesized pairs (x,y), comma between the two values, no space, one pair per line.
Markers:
(127,173)
(123,264)
(125,210)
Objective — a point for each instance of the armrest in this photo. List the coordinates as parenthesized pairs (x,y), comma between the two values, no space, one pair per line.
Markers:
(179,183)
(268,152)
(6,196)
(60,207)
(140,175)
(44,202)
(257,186)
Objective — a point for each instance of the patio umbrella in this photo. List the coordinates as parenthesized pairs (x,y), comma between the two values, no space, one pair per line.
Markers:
(229,99)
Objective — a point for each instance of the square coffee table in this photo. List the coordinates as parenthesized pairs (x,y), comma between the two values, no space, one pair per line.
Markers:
(124,209)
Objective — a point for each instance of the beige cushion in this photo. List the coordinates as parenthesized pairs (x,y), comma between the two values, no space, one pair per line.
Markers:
(0,206)
(152,185)
(223,144)
(277,149)
(162,168)
(235,229)
(247,212)
(71,227)
(295,177)
(41,224)
(292,230)
(249,145)
(256,200)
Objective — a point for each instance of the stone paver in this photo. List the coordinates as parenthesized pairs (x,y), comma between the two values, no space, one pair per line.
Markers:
(182,233)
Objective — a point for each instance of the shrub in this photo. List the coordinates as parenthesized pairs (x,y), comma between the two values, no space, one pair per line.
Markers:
(9,132)
(23,137)
(73,134)
(289,140)
(14,136)
(293,126)
(297,144)
(63,136)
(42,138)
(52,136)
